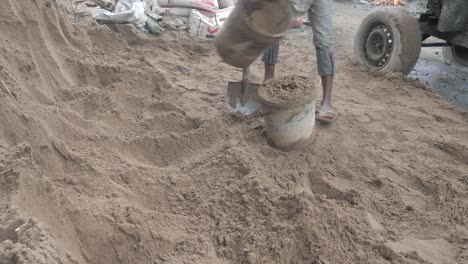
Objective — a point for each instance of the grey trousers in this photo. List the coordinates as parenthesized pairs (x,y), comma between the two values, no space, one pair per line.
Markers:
(320,17)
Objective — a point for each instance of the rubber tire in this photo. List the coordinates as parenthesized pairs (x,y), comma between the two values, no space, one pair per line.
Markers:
(406,39)
(452,59)
(153,26)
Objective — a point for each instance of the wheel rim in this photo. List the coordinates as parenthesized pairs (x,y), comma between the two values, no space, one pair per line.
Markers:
(379,45)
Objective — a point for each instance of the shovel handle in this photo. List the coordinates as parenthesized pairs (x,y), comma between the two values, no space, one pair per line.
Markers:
(245,78)
(245,82)
(246,73)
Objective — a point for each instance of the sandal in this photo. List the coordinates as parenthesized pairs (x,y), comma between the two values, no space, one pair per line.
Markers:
(327,117)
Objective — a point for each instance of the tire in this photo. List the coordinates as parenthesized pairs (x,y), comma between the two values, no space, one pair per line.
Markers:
(153,26)
(456,56)
(388,40)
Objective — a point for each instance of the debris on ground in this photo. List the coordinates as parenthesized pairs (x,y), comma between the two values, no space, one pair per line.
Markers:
(203,18)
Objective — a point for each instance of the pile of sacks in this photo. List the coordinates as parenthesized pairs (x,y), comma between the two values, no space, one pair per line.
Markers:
(111,11)
(203,17)
(119,11)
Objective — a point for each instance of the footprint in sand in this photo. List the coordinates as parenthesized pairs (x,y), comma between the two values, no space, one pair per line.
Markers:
(318,185)
(433,251)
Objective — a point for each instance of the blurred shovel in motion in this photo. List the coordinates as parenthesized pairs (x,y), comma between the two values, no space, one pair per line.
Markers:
(242,96)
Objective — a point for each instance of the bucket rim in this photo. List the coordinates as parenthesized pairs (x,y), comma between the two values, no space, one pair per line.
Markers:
(286,106)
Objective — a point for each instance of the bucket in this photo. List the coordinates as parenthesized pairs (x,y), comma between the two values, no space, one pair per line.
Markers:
(252,27)
(289,126)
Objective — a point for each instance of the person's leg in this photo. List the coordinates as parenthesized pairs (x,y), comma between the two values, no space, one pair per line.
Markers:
(327,85)
(320,16)
(270,58)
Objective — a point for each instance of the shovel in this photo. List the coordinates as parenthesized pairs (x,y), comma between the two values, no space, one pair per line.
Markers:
(242,96)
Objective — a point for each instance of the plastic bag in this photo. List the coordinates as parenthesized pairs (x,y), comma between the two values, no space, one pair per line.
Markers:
(202,26)
(178,11)
(222,15)
(126,11)
(209,5)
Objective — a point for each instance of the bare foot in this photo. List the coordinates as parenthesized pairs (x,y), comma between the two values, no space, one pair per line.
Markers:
(326,114)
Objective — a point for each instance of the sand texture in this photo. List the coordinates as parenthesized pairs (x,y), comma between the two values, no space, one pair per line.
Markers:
(288,90)
(116,147)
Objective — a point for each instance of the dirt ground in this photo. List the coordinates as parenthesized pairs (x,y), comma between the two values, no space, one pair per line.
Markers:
(115,147)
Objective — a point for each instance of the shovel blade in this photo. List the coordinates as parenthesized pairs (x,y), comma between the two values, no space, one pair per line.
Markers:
(245,104)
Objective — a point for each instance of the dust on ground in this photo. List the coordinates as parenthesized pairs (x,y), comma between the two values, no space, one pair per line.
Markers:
(115,147)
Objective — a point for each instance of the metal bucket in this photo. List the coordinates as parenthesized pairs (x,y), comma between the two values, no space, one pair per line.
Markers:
(252,27)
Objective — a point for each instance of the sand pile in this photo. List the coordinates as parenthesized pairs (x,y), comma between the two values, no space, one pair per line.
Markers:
(110,153)
(288,89)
